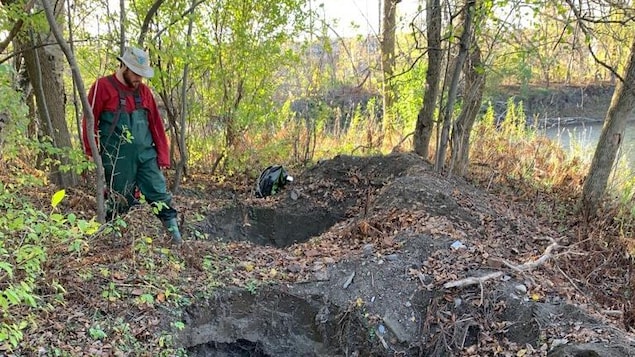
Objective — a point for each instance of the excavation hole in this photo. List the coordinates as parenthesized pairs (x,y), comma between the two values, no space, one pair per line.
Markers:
(239,348)
(273,226)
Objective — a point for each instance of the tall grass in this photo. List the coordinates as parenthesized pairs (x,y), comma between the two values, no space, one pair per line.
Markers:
(512,150)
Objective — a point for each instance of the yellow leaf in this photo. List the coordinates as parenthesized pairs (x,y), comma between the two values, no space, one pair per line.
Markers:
(57,198)
(359,302)
(273,272)
(535,296)
(521,353)
(249,267)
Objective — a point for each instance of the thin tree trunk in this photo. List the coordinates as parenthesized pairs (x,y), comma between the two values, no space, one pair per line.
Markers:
(122,26)
(610,140)
(78,117)
(44,65)
(473,94)
(146,21)
(90,120)
(464,46)
(425,117)
(180,137)
(388,59)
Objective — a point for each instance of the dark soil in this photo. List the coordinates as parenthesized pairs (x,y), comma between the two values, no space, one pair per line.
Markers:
(360,256)
(371,262)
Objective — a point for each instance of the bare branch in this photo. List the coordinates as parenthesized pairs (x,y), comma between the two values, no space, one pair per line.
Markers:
(473,280)
(588,32)
(16,28)
(546,255)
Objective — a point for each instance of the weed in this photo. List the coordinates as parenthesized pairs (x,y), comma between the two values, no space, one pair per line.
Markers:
(252,286)
(111,293)
(96,333)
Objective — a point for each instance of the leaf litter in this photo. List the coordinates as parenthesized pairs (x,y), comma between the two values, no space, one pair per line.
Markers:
(397,215)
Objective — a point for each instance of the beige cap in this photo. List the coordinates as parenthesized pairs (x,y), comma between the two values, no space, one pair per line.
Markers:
(137,60)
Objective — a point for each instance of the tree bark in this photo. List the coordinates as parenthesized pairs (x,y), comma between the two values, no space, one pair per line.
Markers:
(45,68)
(90,120)
(446,121)
(425,117)
(146,21)
(388,59)
(611,138)
(473,94)
(180,135)
(122,26)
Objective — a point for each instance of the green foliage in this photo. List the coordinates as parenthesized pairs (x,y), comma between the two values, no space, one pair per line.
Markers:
(96,333)
(111,293)
(409,97)
(25,234)
(252,286)
(537,160)
(514,126)
(13,114)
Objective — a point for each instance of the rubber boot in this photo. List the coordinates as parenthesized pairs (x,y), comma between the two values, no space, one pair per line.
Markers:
(172,227)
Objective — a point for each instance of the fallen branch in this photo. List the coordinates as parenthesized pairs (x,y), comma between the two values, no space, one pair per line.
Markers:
(472,280)
(546,255)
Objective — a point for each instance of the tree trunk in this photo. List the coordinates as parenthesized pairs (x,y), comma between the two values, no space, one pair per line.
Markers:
(388,59)
(122,26)
(473,94)
(100,184)
(45,68)
(425,117)
(610,140)
(446,121)
(180,135)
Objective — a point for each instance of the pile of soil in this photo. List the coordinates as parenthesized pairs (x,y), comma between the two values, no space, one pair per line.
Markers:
(381,256)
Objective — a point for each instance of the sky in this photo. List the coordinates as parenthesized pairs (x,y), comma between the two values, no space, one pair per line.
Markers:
(364,13)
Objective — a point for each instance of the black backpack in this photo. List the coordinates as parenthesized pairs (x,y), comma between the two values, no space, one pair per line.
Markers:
(271,181)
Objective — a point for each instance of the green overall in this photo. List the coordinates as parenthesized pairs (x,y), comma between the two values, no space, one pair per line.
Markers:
(130,158)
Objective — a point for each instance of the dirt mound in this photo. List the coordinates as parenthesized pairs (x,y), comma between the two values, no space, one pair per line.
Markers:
(403,262)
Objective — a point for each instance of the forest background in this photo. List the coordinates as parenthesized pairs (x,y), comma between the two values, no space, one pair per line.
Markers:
(245,84)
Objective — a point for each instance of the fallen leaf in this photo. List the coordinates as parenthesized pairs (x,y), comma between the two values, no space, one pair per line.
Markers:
(249,267)
(359,302)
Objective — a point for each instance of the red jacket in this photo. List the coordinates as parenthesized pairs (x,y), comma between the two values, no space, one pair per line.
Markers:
(106,98)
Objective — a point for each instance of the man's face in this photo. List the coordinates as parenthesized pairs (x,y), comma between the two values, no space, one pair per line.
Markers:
(132,79)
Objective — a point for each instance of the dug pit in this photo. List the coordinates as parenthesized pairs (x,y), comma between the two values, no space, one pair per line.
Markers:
(270,225)
(396,220)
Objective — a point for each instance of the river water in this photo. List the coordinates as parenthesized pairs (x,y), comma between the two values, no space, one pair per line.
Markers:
(581,139)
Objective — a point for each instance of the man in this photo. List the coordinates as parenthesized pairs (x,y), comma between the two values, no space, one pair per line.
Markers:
(131,139)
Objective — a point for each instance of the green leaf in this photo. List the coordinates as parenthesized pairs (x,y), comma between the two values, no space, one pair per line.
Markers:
(86,227)
(7,267)
(57,218)
(4,304)
(12,297)
(57,198)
